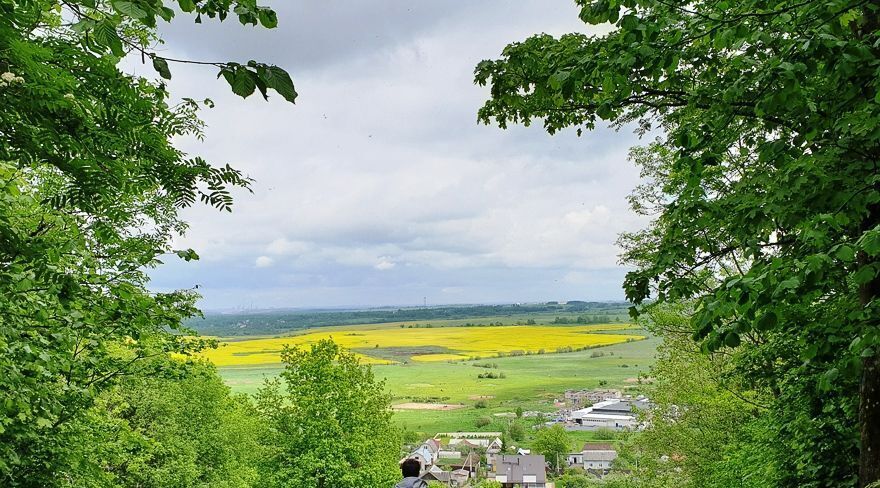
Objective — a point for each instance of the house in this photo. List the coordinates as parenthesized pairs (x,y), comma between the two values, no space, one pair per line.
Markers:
(434,473)
(460,477)
(528,471)
(426,454)
(596,457)
(495,446)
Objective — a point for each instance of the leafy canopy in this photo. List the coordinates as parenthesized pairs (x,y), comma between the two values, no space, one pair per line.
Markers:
(331,425)
(90,190)
(762,184)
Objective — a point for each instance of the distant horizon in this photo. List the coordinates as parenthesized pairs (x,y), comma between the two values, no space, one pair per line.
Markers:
(393,306)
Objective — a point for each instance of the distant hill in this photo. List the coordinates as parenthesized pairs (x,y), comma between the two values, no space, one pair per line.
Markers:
(273,322)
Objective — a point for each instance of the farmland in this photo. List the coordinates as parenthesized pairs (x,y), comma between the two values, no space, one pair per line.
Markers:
(388,345)
(432,365)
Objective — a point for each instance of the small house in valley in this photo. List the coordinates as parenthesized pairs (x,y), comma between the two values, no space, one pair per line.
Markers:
(529,471)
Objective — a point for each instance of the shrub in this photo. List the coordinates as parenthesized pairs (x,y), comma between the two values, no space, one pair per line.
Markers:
(481,404)
(604,434)
(483,421)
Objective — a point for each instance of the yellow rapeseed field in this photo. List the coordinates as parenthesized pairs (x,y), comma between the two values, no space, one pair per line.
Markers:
(452,343)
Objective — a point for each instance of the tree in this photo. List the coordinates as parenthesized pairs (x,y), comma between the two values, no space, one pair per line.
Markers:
(763,187)
(554,444)
(183,428)
(517,431)
(331,427)
(90,190)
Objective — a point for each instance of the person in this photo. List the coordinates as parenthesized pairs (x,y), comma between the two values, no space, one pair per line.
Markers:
(410,468)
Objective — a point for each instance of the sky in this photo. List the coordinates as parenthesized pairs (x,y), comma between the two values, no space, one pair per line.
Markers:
(379,187)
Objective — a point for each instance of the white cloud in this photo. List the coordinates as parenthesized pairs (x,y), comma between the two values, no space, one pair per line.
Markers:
(384,264)
(264,262)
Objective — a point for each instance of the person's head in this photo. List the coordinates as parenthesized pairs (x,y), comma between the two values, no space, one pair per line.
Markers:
(410,468)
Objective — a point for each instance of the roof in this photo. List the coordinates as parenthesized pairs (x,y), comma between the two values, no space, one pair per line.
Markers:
(515,467)
(599,456)
(605,416)
(435,473)
(620,406)
(442,476)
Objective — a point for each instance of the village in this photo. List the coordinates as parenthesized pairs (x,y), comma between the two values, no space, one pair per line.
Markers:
(464,459)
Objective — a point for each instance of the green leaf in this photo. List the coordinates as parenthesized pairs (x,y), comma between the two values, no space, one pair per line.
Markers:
(278,80)
(767,321)
(870,242)
(186,5)
(240,80)
(105,35)
(130,9)
(268,18)
(161,66)
(864,275)
(845,253)
(731,339)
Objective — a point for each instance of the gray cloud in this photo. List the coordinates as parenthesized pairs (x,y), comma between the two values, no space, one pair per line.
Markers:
(379,187)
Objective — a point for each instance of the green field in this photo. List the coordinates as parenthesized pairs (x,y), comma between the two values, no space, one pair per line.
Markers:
(531,382)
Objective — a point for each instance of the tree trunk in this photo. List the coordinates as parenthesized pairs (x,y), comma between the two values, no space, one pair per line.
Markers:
(869,422)
(869,397)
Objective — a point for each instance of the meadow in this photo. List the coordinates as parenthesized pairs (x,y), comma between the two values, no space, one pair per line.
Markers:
(617,356)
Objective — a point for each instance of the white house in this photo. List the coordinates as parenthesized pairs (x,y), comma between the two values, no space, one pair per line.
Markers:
(594,457)
(426,454)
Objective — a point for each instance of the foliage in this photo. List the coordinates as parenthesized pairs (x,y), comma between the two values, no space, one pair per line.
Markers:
(487,484)
(570,480)
(516,431)
(179,429)
(712,427)
(763,188)
(554,444)
(90,189)
(331,425)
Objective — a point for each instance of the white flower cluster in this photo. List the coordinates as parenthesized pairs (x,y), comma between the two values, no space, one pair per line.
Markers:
(9,78)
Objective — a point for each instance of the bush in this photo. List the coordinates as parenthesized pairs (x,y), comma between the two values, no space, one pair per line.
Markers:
(575,481)
(604,434)
(517,432)
(483,421)
(481,404)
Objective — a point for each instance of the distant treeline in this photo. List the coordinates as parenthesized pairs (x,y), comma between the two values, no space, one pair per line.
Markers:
(281,321)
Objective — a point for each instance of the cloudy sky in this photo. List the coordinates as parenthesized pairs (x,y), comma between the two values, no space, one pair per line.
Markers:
(379,187)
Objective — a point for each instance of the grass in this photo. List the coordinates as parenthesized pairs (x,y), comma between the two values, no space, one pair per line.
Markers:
(531,382)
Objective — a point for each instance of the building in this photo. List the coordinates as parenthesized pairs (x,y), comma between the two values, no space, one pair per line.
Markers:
(495,446)
(596,457)
(521,471)
(613,414)
(434,473)
(426,454)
